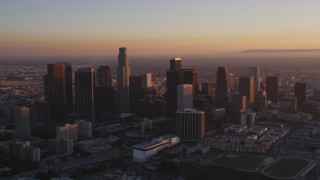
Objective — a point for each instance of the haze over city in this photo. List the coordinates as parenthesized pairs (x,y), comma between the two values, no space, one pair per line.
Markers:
(145,89)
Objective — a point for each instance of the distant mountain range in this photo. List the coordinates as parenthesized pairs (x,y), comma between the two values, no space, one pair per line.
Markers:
(280,50)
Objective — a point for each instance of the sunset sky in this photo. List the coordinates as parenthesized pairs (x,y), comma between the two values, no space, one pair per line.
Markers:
(50,27)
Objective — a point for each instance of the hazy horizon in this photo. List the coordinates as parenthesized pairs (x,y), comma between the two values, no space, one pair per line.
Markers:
(80,27)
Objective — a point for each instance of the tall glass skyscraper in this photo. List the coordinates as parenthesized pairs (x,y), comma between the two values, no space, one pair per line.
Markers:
(221,93)
(123,74)
(85,93)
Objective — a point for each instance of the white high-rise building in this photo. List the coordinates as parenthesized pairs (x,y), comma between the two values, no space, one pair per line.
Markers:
(22,122)
(255,72)
(123,74)
(184,97)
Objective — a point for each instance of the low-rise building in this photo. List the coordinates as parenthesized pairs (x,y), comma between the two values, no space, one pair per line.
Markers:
(143,151)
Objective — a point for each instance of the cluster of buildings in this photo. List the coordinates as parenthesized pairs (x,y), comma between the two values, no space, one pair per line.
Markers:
(240,138)
(73,101)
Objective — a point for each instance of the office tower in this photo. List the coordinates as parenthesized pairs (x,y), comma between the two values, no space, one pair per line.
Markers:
(231,81)
(255,72)
(104,76)
(104,101)
(288,105)
(190,125)
(146,80)
(207,89)
(123,74)
(67,131)
(190,76)
(22,122)
(221,92)
(175,64)
(184,97)
(45,86)
(246,88)
(260,101)
(238,104)
(58,87)
(272,88)
(85,95)
(174,77)
(41,111)
(69,94)
(135,92)
(300,92)
(104,93)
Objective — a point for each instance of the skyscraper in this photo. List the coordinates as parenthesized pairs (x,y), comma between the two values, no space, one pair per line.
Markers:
(147,80)
(174,77)
(272,88)
(246,88)
(135,92)
(58,84)
(255,72)
(300,92)
(260,101)
(123,74)
(104,93)
(22,122)
(190,76)
(85,93)
(104,76)
(184,97)
(105,101)
(207,88)
(230,81)
(238,104)
(175,64)
(221,92)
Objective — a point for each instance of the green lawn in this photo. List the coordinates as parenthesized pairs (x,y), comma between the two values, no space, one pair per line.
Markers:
(286,167)
(238,162)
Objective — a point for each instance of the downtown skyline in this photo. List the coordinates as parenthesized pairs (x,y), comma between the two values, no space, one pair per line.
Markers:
(156,27)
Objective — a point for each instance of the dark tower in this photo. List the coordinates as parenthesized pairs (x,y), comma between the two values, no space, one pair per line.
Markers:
(69,94)
(58,90)
(104,76)
(246,88)
(221,92)
(300,92)
(85,93)
(190,76)
(174,77)
(272,88)
(135,92)
(175,64)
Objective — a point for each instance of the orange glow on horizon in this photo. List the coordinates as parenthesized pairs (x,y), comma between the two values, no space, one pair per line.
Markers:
(32,45)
